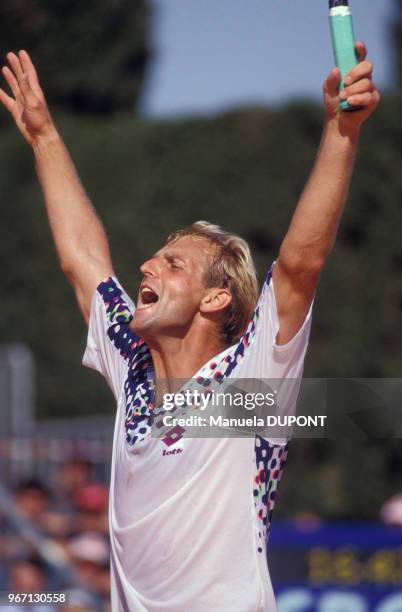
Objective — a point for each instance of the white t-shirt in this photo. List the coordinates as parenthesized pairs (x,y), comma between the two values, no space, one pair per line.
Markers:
(189,528)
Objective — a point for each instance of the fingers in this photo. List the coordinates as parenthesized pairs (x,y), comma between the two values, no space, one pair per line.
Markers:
(363,70)
(30,70)
(14,76)
(19,80)
(11,80)
(359,87)
(6,100)
(15,64)
(27,64)
(361,50)
(362,93)
(362,86)
(331,84)
(365,99)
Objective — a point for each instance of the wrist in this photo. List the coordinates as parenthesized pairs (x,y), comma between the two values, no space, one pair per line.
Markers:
(337,128)
(46,138)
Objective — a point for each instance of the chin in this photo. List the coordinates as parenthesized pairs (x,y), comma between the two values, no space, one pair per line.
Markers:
(140,323)
(144,324)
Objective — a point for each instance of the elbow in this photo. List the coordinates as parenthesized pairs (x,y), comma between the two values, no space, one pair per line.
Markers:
(302,264)
(68,268)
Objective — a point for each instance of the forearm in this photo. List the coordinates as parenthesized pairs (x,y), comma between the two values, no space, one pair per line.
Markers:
(77,231)
(315,222)
(78,234)
(314,225)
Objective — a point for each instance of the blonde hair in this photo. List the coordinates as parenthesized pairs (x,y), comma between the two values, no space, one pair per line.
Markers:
(231,267)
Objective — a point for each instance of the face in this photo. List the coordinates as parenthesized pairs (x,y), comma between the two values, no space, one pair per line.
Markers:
(171,291)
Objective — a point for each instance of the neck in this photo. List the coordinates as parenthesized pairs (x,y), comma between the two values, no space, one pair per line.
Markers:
(181,358)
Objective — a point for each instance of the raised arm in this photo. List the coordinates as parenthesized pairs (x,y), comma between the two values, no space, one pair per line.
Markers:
(314,225)
(78,234)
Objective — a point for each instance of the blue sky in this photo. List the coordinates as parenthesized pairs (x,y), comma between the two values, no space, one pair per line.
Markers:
(211,55)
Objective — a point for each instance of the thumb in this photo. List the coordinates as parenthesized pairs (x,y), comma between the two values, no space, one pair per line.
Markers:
(331,85)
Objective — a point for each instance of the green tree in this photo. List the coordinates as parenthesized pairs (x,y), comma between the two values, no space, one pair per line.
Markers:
(91,55)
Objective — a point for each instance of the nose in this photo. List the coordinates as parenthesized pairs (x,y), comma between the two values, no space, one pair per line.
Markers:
(149,267)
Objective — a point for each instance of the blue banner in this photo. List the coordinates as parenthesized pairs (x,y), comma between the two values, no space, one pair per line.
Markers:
(336,568)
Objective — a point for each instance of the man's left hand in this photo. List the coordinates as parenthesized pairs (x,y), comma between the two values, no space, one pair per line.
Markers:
(359,91)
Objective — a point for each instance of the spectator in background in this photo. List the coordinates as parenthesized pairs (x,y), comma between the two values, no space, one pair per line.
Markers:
(27,576)
(91,502)
(391,511)
(79,499)
(76,521)
(33,500)
(89,553)
(71,476)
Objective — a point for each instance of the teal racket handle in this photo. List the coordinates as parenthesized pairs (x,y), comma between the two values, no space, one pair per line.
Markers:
(343,43)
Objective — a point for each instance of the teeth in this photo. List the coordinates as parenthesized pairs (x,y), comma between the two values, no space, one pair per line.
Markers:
(148,296)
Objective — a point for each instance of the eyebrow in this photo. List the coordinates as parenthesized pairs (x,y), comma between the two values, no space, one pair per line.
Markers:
(169,256)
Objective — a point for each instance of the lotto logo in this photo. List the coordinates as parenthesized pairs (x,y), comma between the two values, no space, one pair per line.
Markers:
(174,451)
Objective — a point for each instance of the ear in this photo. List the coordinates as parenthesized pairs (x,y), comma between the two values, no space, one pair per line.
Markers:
(215,300)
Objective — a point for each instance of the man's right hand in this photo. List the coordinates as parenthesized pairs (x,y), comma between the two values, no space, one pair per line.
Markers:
(80,239)
(28,105)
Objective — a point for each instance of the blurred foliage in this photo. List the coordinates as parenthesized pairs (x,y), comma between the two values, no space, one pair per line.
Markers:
(340,479)
(91,55)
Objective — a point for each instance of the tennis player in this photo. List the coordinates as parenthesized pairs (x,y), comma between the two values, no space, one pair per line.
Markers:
(189,517)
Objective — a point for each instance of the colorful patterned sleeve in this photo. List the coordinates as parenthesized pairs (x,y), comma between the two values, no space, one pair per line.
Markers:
(110,343)
(257,355)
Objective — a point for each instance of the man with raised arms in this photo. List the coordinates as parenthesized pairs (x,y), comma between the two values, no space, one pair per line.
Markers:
(189,528)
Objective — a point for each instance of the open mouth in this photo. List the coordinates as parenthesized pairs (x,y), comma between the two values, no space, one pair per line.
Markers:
(148,297)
